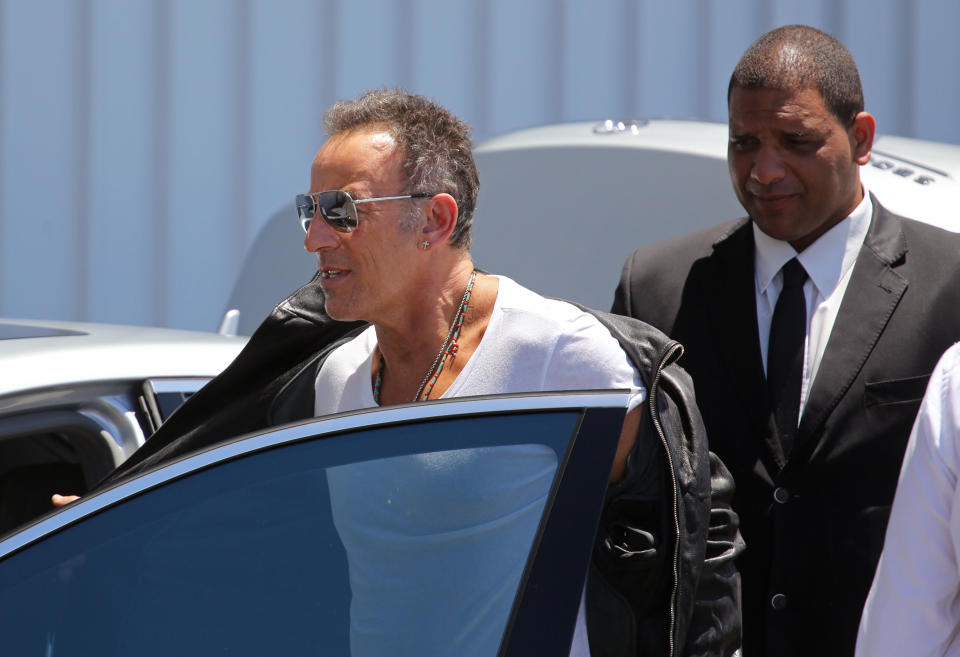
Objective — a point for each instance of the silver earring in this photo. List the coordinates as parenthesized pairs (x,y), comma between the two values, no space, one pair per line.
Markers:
(424,245)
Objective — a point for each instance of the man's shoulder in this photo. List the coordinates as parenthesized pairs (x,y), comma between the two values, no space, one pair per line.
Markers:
(680,252)
(646,345)
(926,235)
(886,219)
(925,245)
(523,307)
(654,276)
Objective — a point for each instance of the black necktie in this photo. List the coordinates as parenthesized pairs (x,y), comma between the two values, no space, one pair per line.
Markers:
(785,353)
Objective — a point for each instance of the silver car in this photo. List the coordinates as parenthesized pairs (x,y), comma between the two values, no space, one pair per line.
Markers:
(77,399)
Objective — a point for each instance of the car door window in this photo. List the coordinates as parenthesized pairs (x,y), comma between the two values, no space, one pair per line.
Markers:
(404,539)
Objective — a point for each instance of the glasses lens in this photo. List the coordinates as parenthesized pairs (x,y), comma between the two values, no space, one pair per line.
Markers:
(305,210)
(338,210)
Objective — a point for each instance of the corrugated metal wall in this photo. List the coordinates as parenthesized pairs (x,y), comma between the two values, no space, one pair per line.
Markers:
(144,142)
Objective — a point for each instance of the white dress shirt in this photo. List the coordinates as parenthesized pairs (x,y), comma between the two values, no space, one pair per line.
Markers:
(829,263)
(914,605)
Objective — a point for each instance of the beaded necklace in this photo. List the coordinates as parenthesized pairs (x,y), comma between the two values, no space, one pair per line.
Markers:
(449,347)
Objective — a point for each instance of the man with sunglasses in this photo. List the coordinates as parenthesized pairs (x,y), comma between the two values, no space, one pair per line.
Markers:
(398,313)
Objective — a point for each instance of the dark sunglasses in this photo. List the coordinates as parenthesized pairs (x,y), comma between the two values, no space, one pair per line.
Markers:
(338,208)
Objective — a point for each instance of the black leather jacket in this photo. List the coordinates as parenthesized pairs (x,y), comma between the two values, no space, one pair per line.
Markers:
(662,579)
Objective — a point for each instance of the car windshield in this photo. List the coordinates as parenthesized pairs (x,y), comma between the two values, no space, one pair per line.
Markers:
(408,539)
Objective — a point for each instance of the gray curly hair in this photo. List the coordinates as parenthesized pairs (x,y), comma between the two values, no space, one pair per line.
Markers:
(437,146)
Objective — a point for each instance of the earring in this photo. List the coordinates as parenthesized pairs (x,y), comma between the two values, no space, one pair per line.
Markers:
(424,245)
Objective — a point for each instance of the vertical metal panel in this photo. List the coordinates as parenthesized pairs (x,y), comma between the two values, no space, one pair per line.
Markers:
(367,38)
(596,57)
(238,225)
(936,95)
(483,102)
(555,75)
(328,69)
(906,64)
(121,163)
(810,12)
(520,63)
(4,272)
(407,28)
(41,77)
(82,176)
(875,36)
(162,128)
(728,40)
(447,56)
(291,47)
(668,35)
(835,20)
(631,63)
(203,176)
(702,47)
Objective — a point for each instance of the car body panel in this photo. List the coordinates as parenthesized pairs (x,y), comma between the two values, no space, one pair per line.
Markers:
(80,352)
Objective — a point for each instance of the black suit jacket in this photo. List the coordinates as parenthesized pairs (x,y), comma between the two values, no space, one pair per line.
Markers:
(814,525)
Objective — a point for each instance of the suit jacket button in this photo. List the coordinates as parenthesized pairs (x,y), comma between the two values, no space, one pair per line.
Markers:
(778,601)
(781,495)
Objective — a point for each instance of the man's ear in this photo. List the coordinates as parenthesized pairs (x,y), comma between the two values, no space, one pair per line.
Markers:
(861,136)
(440,218)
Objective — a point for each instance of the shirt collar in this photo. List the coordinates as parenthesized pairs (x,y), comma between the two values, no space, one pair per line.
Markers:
(826,261)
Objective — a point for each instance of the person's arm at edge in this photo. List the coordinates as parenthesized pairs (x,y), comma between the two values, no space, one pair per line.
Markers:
(911,607)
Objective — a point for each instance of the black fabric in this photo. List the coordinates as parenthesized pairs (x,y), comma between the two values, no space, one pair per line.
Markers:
(240,399)
(691,585)
(681,590)
(788,328)
(820,545)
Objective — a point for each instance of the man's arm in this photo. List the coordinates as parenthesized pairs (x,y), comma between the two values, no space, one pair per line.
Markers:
(628,437)
(911,608)
(718,591)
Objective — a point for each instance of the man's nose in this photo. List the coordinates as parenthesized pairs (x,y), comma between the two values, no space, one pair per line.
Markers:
(768,166)
(320,236)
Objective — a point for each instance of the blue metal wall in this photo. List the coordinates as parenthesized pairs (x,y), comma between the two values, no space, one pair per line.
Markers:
(144,142)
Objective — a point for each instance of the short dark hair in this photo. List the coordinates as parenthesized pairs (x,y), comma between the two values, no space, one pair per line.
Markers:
(802,57)
(438,150)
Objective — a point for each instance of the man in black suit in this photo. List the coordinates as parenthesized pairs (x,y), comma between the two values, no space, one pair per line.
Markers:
(808,377)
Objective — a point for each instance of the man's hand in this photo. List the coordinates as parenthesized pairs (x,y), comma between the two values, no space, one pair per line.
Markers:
(62,500)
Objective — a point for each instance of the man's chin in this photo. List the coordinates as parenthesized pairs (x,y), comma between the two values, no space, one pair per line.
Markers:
(779,227)
(337,312)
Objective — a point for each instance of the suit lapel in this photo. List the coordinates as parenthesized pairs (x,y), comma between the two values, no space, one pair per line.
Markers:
(872,295)
(731,291)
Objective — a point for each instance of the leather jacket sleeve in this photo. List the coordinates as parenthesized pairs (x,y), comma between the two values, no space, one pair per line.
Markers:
(715,628)
(663,565)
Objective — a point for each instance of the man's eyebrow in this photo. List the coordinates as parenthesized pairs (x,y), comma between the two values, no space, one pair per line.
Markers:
(801,132)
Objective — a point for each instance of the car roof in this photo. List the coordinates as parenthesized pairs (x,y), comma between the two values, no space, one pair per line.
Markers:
(39,354)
